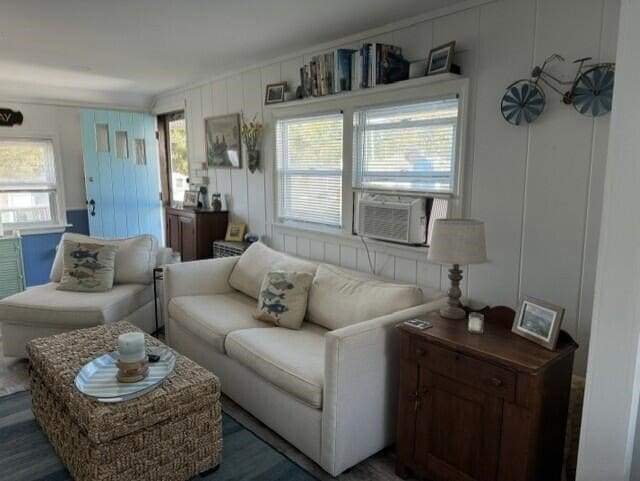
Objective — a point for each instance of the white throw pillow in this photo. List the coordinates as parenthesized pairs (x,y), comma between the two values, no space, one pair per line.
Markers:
(135,257)
(283,298)
(339,298)
(257,261)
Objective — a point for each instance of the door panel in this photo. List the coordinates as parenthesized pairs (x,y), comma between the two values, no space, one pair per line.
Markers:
(188,238)
(457,436)
(125,189)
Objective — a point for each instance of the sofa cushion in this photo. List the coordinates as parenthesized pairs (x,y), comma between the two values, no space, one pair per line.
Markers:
(283,298)
(87,267)
(135,259)
(257,261)
(44,305)
(291,360)
(339,298)
(212,317)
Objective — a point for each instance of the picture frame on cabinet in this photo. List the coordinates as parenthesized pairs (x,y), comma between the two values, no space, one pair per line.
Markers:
(538,321)
(190,198)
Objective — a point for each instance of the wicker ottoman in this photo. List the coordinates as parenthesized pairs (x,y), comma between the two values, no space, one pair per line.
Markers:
(169,434)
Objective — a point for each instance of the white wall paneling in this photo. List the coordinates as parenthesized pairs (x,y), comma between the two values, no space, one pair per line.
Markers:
(538,188)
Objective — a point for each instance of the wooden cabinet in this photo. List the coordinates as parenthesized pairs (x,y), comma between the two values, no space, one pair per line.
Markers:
(11,266)
(489,407)
(191,232)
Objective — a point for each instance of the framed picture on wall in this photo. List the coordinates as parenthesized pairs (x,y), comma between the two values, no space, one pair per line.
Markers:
(222,138)
(538,321)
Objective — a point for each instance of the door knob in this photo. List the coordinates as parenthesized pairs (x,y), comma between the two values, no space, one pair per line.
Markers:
(92,203)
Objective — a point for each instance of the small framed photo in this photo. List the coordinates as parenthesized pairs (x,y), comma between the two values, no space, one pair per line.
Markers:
(190,198)
(440,58)
(538,321)
(275,93)
(235,232)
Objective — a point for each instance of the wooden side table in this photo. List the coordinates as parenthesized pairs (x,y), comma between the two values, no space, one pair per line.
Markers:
(490,407)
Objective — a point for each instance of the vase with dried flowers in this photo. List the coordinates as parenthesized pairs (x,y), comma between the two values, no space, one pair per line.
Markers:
(251,132)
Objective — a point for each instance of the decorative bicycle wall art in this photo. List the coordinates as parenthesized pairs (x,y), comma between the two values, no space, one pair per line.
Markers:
(590,92)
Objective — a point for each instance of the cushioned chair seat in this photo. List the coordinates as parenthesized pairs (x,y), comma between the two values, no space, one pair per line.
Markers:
(213,316)
(45,306)
(292,360)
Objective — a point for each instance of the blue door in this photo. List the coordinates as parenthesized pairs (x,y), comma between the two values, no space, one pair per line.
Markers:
(121,172)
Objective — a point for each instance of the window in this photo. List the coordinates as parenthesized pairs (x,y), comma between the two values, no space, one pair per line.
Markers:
(309,169)
(28,190)
(407,147)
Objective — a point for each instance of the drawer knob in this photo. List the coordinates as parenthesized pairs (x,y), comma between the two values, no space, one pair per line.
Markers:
(420,351)
(497,382)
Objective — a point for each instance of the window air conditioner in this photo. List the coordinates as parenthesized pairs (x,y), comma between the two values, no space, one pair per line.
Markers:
(393,218)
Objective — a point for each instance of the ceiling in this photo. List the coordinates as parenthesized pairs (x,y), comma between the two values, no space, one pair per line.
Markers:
(126,51)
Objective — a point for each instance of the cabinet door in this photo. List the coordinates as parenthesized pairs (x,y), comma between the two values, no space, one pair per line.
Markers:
(173,232)
(188,238)
(457,430)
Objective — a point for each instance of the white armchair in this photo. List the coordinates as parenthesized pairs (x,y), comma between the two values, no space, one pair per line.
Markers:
(43,310)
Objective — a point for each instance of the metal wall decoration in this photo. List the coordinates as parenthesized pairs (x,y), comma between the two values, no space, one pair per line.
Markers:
(524,100)
(9,118)
(590,92)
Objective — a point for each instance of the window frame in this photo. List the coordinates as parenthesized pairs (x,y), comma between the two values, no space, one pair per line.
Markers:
(58,221)
(407,92)
(314,226)
(410,192)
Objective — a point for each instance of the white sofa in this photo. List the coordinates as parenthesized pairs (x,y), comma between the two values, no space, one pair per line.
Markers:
(330,392)
(42,310)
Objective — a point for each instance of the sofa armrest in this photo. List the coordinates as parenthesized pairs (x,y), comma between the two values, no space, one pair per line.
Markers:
(360,388)
(196,278)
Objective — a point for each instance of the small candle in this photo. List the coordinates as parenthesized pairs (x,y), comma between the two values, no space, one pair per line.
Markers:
(131,347)
(476,323)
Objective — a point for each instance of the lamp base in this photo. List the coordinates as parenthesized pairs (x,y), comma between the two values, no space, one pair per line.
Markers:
(453,309)
(451,312)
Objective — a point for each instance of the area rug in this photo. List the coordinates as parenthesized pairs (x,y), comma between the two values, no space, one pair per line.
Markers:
(26,454)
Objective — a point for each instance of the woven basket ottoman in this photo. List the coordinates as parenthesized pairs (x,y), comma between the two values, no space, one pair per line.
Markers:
(169,434)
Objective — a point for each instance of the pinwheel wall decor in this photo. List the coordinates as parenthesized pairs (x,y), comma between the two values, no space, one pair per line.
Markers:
(590,92)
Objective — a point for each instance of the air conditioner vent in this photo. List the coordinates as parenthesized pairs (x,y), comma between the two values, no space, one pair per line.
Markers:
(386,222)
(393,219)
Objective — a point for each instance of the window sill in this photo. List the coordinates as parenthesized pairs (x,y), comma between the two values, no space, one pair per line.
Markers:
(339,236)
(37,229)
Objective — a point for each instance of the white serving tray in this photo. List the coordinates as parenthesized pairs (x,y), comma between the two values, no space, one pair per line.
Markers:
(97,378)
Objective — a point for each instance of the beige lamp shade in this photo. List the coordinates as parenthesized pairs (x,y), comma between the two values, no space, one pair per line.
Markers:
(458,241)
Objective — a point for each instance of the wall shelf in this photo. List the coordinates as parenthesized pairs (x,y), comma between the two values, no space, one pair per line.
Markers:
(403,84)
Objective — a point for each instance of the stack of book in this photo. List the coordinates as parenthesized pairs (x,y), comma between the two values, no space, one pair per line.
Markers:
(347,69)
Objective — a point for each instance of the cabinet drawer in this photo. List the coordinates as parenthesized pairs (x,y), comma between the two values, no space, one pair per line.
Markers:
(492,379)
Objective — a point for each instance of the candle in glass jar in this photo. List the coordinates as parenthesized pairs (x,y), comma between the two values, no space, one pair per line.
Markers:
(476,323)
(131,347)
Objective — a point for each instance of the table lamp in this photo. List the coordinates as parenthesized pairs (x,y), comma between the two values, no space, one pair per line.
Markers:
(457,242)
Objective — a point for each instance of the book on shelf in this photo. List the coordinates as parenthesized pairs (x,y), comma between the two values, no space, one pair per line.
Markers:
(344,69)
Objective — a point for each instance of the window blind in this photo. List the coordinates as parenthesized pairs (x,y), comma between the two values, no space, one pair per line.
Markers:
(406,147)
(27,182)
(309,169)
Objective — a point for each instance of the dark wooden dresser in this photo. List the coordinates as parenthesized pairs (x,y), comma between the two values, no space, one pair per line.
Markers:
(489,407)
(191,232)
